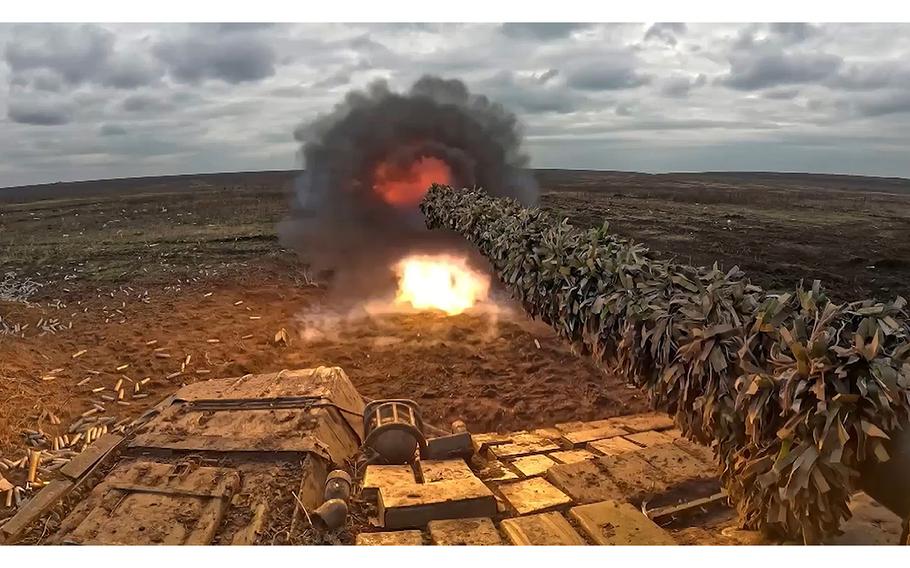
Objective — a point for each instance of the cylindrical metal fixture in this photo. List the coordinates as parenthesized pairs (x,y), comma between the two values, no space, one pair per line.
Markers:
(394,429)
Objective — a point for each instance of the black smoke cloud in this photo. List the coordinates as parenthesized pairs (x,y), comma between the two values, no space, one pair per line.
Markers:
(340,225)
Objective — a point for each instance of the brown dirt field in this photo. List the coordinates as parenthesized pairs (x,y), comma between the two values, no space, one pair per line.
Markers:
(485,371)
(852,233)
(131,261)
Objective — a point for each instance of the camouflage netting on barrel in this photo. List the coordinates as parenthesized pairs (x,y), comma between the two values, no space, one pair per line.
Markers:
(793,392)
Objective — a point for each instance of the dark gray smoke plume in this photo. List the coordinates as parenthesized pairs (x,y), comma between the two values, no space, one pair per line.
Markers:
(339,222)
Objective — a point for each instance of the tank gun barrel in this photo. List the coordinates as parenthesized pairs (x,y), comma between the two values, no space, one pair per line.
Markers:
(796,394)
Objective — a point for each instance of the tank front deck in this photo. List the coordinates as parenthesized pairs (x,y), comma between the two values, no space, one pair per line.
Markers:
(244,461)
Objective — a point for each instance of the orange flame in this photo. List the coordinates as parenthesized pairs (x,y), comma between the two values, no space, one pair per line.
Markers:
(441,282)
(405,186)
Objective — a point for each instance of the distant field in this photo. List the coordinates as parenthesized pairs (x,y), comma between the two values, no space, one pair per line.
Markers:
(851,232)
(152,230)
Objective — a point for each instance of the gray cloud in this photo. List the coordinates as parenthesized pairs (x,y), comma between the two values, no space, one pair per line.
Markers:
(679,86)
(749,72)
(43,57)
(102,100)
(76,53)
(542,31)
(546,75)
(794,31)
(781,94)
(884,104)
(130,73)
(111,130)
(39,80)
(144,102)
(292,91)
(611,71)
(774,36)
(529,95)
(230,59)
(140,146)
(239,26)
(665,32)
(337,79)
(873,75)
(625,109)
(38,112)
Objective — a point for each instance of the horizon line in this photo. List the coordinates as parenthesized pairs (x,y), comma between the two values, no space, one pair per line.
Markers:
(283,171)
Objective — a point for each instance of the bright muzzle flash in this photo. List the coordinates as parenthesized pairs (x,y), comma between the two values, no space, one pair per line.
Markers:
(440,282)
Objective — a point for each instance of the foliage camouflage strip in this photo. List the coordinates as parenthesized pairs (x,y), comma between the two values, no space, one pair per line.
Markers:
(793,392)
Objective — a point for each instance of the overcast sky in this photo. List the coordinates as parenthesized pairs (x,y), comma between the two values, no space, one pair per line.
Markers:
(94,101)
